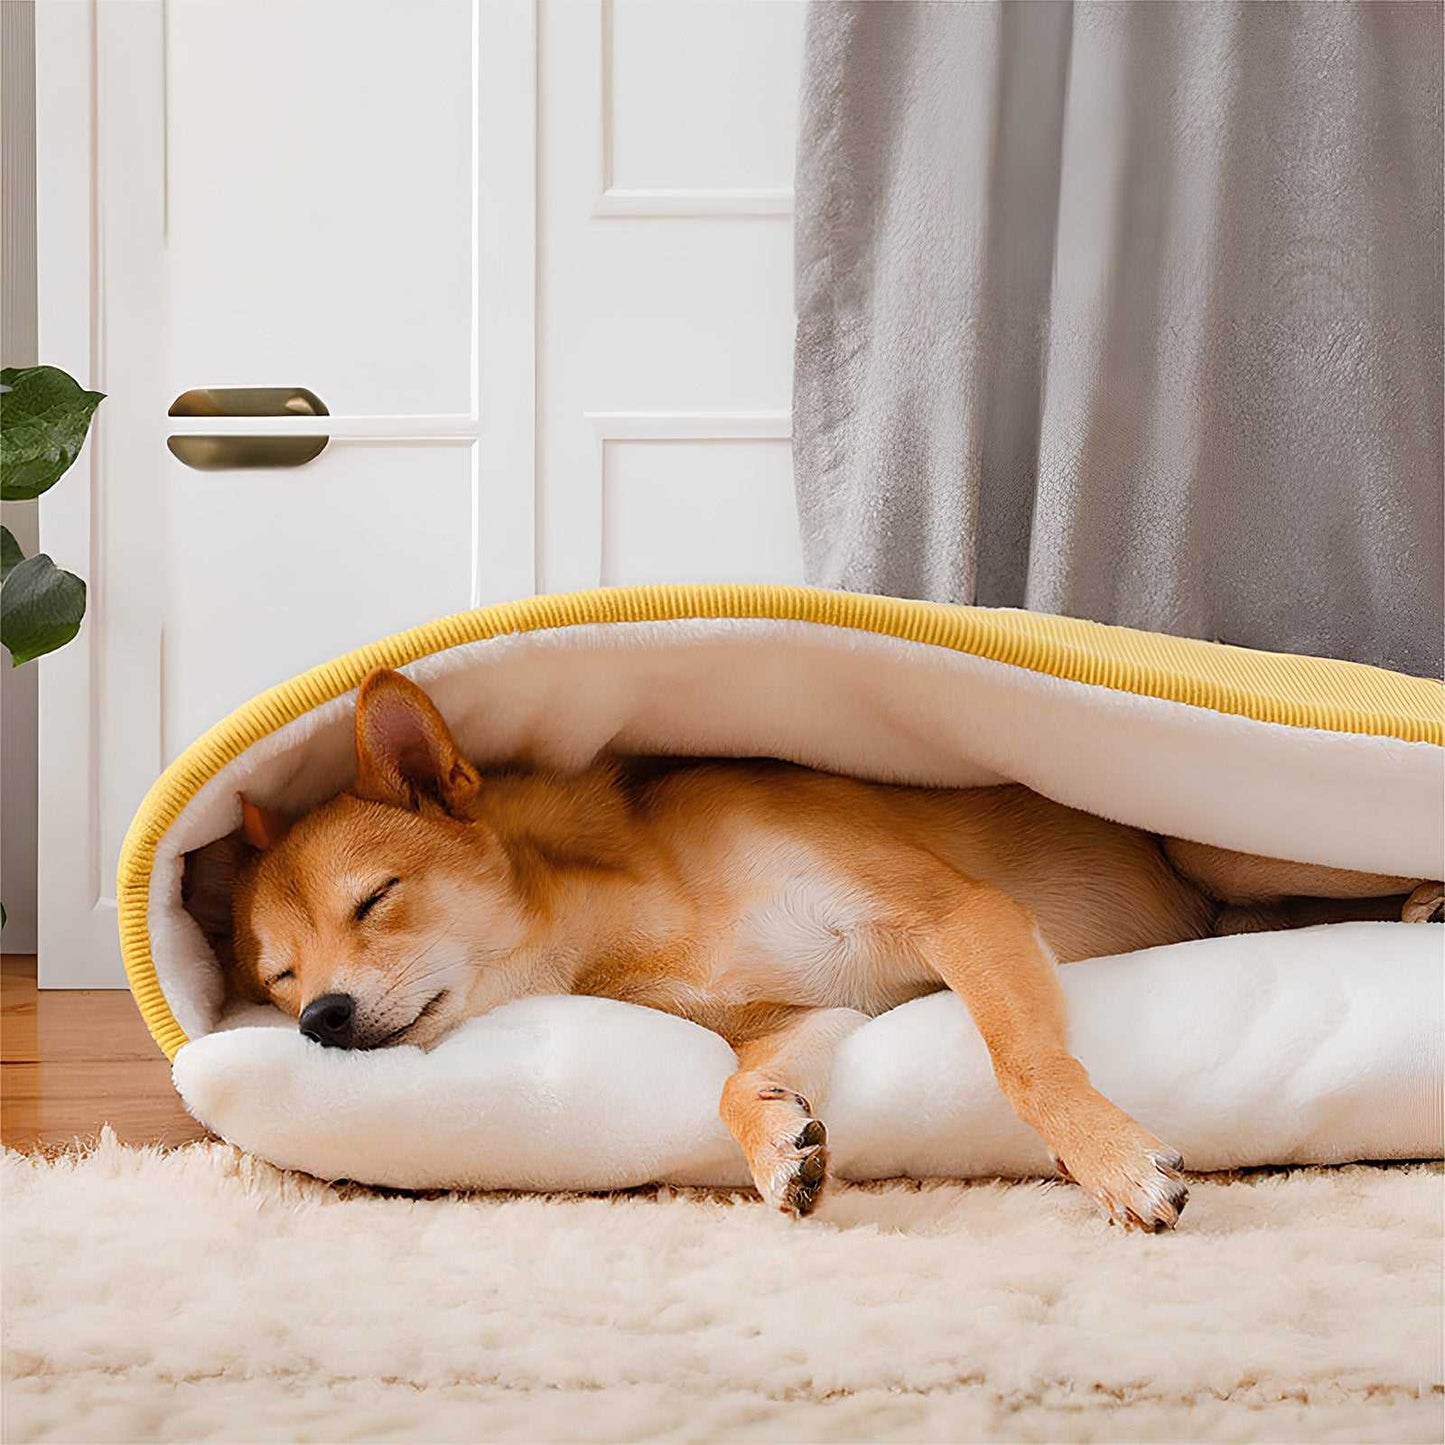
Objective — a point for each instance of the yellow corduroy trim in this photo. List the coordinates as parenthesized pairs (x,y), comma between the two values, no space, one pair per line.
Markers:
(1269,687)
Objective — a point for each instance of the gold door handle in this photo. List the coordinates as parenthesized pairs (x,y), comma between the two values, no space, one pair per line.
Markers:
(223,453)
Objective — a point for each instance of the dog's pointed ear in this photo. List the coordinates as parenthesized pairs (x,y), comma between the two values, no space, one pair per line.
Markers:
(262,828)
(405,753)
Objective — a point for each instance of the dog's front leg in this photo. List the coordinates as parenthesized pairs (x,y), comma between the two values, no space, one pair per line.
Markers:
(988,949)
(769,1104)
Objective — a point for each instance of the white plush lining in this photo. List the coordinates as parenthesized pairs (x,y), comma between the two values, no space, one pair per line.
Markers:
(879,708)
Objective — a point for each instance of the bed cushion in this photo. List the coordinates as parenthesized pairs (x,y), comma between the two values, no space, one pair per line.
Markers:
(1277,1048)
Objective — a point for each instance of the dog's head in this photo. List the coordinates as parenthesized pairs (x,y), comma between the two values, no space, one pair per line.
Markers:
(365,919)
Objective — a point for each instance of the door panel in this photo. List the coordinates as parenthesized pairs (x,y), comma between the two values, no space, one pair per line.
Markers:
(319,228)
(700,96)
(698,511)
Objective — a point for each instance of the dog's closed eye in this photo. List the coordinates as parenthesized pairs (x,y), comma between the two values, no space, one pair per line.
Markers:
(372,899)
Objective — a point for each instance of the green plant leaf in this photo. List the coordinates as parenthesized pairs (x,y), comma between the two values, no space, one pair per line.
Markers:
(44,416)
(40,608)
(10,552)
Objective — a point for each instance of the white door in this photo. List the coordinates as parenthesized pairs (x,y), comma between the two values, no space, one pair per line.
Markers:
(533,258)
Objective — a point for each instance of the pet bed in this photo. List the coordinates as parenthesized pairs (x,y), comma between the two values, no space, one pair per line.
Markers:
(1320,1045)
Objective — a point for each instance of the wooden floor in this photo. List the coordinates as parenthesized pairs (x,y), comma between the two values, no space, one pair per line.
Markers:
(72,1060)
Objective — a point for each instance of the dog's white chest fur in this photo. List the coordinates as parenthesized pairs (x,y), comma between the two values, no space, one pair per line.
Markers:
(808,933)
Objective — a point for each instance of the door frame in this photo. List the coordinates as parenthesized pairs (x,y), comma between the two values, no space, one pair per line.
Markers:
(99,695)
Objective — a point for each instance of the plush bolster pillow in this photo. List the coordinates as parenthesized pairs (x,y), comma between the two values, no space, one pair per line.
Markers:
(1316,1046)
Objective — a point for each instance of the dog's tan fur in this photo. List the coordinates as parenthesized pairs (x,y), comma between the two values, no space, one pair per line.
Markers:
(776,905)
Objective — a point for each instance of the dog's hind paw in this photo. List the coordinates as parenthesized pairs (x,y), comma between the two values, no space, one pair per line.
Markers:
(1425,905)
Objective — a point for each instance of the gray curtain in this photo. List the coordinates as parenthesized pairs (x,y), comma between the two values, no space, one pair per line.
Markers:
(1128,311)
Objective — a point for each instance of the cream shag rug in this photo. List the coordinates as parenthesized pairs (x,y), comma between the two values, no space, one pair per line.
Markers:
(200,1295)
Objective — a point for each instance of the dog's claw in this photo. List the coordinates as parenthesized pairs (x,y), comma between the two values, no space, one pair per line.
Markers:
(814,1132)
(804,1202)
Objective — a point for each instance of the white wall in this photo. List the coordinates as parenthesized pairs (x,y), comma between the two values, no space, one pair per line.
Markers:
(17,348)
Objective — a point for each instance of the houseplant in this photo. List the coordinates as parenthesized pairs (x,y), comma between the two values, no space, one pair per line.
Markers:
(44,417)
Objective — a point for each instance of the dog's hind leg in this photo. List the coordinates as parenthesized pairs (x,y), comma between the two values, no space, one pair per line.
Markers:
(768,1105)
(1243,881)
(1258,894)
(988,949)
(1306,913)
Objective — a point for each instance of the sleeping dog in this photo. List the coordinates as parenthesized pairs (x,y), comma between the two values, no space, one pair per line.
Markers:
(779,906)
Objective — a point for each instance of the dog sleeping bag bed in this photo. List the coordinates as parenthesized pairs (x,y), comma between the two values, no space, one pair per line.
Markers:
(1317,1045)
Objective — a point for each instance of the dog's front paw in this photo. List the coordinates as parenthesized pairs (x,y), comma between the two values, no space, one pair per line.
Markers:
(1137,1181)
(789,1160)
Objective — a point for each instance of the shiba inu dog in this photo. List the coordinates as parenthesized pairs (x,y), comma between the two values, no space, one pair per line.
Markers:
(779,906)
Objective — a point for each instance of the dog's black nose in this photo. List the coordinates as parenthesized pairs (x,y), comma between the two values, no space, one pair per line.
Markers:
(330,1020)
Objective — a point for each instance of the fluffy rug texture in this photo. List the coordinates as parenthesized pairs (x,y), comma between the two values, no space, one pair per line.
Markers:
(202,1295)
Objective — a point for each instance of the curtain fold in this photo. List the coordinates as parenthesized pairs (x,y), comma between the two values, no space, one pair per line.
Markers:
(1131,312)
